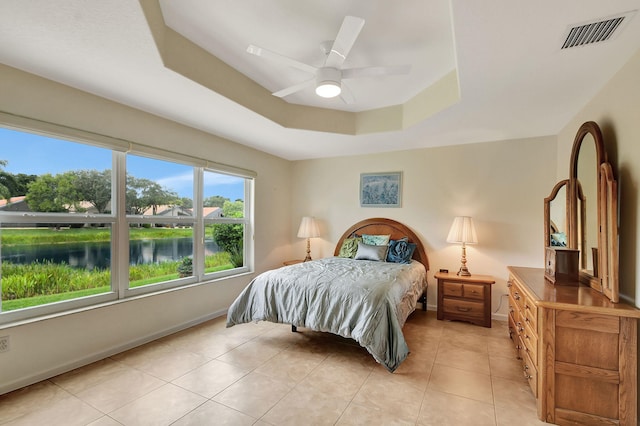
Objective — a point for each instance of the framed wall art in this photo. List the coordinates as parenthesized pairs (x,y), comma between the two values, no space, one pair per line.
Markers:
(381,189)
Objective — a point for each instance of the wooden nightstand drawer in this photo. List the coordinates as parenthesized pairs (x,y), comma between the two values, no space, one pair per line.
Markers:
(463,307)
(452,289)
(473,291)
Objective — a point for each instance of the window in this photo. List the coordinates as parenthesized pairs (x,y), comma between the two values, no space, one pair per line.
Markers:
(83,224)
(160,218)
(225,221)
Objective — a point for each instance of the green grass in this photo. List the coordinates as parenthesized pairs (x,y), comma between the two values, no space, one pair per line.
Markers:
(11,305)
(33,236)
(42,283)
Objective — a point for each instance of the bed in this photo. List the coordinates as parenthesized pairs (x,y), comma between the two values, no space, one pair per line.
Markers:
(358,298)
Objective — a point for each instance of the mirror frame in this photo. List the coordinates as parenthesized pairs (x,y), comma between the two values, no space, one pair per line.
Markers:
(604,277)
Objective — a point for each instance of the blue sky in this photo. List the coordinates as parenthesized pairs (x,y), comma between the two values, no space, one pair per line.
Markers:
(33,154)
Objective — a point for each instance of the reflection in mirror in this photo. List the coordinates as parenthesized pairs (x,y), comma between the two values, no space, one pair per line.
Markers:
(587,175)
(558,219)
(556,209)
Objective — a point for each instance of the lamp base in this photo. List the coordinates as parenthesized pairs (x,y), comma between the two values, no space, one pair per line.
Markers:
(308,257)
(464,272)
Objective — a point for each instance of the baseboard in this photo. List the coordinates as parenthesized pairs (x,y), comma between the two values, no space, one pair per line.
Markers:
(86,360)
(499,317)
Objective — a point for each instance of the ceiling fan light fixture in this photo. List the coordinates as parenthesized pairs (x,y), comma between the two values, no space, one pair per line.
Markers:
(328,82)
(328,89)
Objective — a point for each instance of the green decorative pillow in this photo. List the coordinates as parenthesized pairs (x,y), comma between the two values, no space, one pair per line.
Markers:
(376,240)
(349,247)
(369,252)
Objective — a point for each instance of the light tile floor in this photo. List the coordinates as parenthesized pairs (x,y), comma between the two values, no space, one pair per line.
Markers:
(263,374)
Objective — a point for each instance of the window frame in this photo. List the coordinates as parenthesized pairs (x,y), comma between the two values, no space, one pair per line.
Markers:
(119,221)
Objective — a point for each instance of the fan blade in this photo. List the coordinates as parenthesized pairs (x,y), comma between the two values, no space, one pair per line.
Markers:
(265,53)
(346,94)
(349,31)
(375,71)
(295,88)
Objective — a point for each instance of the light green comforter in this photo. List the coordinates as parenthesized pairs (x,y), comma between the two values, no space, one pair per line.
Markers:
(364,300)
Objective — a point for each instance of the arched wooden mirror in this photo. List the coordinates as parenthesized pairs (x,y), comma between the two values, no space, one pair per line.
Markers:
(592,219)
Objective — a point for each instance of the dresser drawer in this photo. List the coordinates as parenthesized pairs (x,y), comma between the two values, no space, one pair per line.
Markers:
(473,291)
(464,308)
(452,289)
(530,373)
(530,340)
(530,313)
(517,296)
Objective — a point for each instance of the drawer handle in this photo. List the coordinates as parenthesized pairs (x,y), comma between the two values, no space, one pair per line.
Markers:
(509,284)
(516,295)
(463,309)
(526,372)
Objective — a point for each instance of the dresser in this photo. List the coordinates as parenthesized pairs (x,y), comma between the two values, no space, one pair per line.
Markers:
(578,350)
(465,298)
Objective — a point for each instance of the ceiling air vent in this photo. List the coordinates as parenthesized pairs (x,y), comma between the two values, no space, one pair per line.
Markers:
(595,32)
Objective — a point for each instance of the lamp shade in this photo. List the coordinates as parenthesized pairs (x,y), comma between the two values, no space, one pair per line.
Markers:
(462,231)
(308,228)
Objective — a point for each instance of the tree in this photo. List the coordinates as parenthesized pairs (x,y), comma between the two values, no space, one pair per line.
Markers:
(22,182)
(94,187)
(155,195)
(43,195)
(185,202)
(229,236)
(135,204)
(5,193)
(143,194)
(215,201)
(233,208)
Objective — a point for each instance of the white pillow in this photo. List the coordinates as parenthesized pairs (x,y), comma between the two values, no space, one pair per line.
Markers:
(369,252)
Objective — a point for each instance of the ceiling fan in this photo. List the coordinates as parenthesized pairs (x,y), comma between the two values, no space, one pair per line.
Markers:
(328,78)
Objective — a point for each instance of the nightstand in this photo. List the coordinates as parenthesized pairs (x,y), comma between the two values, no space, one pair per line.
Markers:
(292,262)
(465,298)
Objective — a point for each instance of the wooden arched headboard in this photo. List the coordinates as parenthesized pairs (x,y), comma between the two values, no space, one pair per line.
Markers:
(383,226)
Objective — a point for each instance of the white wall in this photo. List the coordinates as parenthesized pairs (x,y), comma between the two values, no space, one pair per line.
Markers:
(502,185)
(49,346)
(616,109)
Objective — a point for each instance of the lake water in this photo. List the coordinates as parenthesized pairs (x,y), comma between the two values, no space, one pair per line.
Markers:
(98,255)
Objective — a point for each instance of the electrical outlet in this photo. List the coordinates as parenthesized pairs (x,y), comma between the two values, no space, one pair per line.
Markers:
(4,344)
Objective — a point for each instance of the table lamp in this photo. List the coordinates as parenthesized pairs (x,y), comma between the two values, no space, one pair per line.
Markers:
(462,231)
(308,229)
